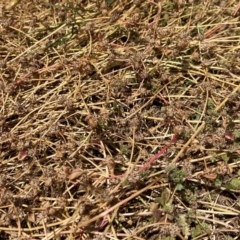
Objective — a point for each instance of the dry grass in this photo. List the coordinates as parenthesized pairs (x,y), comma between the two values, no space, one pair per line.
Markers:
(120,120)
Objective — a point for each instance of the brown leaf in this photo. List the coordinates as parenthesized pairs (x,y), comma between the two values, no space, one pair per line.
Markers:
(210,176)
(22,154)
(76,173)
(31,217)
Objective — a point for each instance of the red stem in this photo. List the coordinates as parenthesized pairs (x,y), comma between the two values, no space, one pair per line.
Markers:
(155,157)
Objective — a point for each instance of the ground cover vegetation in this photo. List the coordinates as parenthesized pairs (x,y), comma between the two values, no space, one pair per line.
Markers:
(119,119)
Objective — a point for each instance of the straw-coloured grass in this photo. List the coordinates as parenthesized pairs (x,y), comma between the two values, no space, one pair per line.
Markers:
(119,120)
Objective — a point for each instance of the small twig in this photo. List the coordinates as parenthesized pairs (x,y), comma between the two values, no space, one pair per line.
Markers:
(155,157)
(226,99)
(214,30)
(237,9)
(188,142)
(123,202)
(37,43)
